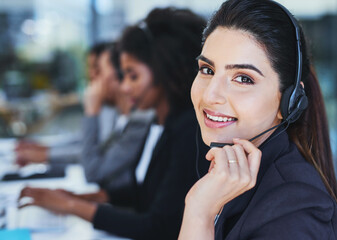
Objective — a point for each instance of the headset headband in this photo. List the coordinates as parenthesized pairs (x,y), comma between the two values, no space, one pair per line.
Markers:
(299,51)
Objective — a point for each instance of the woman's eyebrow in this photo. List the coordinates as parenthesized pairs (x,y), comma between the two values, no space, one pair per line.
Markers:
(128,70)
(244,66)
(205,59)
(231,66)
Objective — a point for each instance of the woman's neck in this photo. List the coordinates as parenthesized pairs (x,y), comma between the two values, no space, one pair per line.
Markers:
(123,103)
(162,110)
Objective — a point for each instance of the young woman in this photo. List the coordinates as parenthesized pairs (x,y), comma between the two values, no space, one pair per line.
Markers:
(158,64)
(280,185)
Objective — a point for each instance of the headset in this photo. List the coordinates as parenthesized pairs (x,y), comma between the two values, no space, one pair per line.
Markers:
(294,100)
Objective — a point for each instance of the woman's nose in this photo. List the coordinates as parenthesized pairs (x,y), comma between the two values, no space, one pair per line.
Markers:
(125,86)
(215,92)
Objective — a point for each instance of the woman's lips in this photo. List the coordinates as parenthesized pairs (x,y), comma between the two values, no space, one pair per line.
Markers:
(134,101)
(217,120)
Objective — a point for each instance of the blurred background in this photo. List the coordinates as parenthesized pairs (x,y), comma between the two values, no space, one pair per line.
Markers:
(43,46)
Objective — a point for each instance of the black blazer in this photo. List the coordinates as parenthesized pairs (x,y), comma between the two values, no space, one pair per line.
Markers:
(289,201)
(158,204)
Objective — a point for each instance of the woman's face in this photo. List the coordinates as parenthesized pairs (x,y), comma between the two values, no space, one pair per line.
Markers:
(236,92)
(138,82)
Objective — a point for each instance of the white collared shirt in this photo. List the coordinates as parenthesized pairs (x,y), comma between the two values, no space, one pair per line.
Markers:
(151,141)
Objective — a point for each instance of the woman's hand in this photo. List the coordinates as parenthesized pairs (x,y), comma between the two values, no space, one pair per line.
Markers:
(55,200)
(29,152)
(94,97)
(233,171)
(101,196)
(59,201)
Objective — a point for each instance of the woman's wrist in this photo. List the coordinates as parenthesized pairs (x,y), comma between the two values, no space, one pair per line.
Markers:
(92,109)
(81,208)
(201,207)
(196,225)
(199,215)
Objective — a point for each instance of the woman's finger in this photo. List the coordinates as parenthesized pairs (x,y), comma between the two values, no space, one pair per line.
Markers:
(211,166)
(25,205)
(232,161)
(220,160)
(242,158)
(36,193)
(24,192)
(210,154)
(254,155)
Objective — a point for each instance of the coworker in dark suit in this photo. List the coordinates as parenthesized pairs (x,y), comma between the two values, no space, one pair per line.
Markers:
(281,184)
(158,64)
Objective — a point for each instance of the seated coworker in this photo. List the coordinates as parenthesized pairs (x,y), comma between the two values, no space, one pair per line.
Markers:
(111,145)
(281,185)
(158,63)
(30,151)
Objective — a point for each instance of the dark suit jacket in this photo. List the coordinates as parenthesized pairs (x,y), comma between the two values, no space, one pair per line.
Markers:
(158,204)
(289,201)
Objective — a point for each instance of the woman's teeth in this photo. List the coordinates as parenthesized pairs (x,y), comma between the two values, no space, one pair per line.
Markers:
(219,119)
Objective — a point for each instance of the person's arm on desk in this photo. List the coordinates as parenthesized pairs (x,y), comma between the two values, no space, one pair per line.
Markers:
(30,152)
(59,201)
(93,98)
(90,156)
(100,196)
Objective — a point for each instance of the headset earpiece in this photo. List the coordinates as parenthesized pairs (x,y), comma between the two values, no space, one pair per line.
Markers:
(284,104)
(293,103)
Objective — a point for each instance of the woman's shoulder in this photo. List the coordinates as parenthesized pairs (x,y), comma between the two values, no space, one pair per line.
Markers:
(292,183)
(292,167)
(290,171)
(291,200)
(292,210)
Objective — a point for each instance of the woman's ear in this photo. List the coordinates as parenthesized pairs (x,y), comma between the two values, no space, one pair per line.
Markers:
(302,84)
(279,115)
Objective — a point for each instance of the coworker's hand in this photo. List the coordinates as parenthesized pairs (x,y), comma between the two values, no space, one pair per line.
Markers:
(29,152)
(29,144)
(100,196)
(94,97)
(54,200)
(233,171)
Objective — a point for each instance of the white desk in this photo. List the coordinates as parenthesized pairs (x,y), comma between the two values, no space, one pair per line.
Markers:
(76,227)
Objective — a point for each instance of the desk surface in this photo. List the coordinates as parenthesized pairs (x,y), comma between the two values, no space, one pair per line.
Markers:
(77,228)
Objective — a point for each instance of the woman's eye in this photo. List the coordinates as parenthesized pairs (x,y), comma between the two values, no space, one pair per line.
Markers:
(206,71)
(244,79)
(133,77)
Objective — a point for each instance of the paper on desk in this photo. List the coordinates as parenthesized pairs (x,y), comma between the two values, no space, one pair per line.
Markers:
(16,234)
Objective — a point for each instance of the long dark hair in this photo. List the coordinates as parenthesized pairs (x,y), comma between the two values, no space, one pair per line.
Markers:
(273,29)
(168,40)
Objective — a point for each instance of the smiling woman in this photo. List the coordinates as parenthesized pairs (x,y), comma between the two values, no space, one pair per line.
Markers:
(252,78)
(229,86)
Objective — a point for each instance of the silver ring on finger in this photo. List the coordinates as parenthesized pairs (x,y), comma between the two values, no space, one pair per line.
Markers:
(232,161)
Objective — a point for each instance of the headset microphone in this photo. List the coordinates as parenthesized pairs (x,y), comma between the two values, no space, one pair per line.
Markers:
(294,100)
(220,145)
